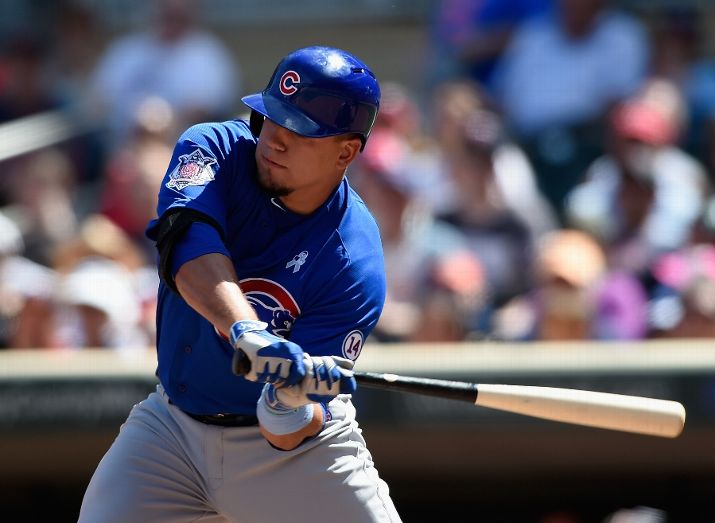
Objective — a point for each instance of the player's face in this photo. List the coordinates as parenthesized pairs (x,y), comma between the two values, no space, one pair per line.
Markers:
(302,171)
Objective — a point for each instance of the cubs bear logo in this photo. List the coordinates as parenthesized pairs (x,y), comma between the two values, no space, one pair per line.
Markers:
(272,303)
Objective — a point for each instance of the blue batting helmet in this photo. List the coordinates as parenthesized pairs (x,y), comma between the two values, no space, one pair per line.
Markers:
(317,92)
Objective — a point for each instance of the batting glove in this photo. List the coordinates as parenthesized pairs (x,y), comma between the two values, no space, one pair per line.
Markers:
(325,378)
(263,357)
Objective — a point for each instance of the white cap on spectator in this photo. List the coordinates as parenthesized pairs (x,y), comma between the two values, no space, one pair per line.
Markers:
(10,236)
(103,285)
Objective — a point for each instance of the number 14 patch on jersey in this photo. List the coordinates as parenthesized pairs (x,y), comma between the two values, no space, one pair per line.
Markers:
(352,345)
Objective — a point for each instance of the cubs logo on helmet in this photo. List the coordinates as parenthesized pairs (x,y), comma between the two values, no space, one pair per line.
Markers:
(288,83)
(272,303)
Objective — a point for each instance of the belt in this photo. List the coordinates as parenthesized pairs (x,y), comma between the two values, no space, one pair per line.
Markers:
(225,420)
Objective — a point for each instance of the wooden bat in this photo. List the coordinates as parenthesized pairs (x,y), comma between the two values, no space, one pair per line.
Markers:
(653,417)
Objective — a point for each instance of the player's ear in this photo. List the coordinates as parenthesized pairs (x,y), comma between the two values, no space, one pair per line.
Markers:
(348,151)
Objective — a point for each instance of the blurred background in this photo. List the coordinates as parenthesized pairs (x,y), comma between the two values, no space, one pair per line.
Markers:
(542,172)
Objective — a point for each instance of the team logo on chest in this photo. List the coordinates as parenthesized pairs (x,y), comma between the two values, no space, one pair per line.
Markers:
(272,303)
(193,169)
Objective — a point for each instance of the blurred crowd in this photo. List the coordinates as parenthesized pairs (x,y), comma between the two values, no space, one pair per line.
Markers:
(556,183)
(551,179)
(75,267)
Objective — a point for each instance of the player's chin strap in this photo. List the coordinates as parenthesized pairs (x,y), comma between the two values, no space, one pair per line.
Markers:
(256,123)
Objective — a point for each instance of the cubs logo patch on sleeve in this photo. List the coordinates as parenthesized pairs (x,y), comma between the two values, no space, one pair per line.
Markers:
(352,345)
(193,169)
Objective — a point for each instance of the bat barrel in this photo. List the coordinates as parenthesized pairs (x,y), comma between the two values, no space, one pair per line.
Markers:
(654,417)
(454,390)
(636,414)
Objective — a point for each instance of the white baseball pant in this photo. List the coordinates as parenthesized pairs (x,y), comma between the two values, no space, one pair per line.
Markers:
(167,467)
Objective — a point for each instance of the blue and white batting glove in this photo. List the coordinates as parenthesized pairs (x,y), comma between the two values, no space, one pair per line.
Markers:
(263,357)
(325,378)
(288,409)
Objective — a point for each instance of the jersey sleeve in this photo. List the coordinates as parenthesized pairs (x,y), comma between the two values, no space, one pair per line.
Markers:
(200,176)
(345,312)
(199,239)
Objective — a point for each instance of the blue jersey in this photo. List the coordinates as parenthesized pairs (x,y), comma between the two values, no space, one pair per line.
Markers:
(316,279)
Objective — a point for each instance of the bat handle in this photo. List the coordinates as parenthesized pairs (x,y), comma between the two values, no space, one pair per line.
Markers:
(241,364)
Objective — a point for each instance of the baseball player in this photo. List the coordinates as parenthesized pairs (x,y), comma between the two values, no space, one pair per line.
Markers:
(270,264)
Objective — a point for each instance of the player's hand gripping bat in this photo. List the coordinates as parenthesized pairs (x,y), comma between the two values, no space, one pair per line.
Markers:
(654,417)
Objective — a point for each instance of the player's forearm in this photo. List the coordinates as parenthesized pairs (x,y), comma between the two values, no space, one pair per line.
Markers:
(292,440)
(210,286)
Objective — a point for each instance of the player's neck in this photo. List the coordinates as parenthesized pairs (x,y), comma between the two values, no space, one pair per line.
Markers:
(300,204)
(308,199)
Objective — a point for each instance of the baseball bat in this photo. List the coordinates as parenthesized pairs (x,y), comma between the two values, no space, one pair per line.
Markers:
(640,415)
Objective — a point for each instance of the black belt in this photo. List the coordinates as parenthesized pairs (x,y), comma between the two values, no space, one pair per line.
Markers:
(225,420)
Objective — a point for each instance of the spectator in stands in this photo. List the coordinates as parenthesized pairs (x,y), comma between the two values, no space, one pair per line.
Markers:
(24,87)
(683,303)
(41,189)
(46,71)
(26,291)
(414,241)
(177,61)
(704,231)
(400,114)
(679,57)
(495,201)
(452,102)
(573,297)
(645,196)
(621,308)
(100,239)
(557,79)
(559,69)
(75,51)
(455,304)
(98,306)
(133,172)
(462,109)
(469,36)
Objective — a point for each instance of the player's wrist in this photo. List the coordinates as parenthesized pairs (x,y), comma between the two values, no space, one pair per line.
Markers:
(241,327)
(278,418)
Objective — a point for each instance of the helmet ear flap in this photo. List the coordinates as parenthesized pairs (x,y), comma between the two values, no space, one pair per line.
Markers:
(256,123)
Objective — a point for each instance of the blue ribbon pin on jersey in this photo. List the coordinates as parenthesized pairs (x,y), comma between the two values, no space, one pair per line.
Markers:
(297,261)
